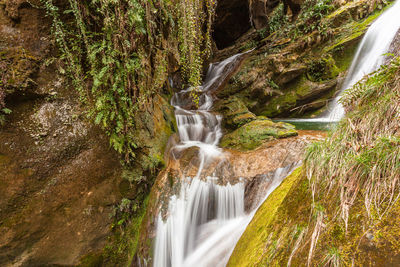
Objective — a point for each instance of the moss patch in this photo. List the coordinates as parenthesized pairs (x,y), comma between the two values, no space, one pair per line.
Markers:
(234,112)
(122,246)
(253,134)
(251,249)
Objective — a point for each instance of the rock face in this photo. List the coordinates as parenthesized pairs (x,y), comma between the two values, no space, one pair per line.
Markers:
(59,178)
(260,10)
(286,77)
(395,46)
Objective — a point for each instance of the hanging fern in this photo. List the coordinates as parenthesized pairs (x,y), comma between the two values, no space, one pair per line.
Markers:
(116,51)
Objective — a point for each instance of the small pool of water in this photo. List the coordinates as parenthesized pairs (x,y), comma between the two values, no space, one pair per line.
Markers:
(304,124)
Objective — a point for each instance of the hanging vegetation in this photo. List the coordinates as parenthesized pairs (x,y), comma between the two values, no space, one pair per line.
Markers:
(117,54)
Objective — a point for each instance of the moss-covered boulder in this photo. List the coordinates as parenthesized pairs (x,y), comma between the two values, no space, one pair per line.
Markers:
(302,96)
(251,248)
(234,112)
(254,133)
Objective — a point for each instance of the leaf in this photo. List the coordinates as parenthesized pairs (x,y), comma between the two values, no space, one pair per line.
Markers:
(98,118)
(6,111)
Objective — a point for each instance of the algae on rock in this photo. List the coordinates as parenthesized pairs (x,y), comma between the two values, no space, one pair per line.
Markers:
(291,78)
(254,133)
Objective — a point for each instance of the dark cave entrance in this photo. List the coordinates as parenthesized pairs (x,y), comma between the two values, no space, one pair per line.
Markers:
(232,21)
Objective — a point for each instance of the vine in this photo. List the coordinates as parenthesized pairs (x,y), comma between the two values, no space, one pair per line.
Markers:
(116,54)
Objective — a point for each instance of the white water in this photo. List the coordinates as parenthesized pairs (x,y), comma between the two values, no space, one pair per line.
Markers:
(369,57)
(221,236)
(201,128)
(205,220)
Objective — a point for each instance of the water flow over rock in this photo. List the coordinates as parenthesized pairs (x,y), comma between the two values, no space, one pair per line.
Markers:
(369,56)
(205,219)
(199,201)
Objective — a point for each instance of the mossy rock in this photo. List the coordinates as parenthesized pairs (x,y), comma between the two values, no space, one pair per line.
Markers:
(352,32)
(250,249)
(254,133)
(153,129)
(279,105)
(235,112)
(322,69)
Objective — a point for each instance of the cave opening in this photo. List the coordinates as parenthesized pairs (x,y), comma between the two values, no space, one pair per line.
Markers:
(232,21)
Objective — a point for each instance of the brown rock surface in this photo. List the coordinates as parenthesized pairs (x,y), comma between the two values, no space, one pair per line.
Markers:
(58,177)
(231,166)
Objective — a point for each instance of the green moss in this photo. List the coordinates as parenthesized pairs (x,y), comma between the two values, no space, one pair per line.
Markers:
(234,112)
(301,86)
(344,56)
(322,69)
(250,250)
(92,260)
(279,105)
(254,133)
(353,31)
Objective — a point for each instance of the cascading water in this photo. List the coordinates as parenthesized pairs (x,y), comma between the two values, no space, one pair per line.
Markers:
(205,220)
(369,57)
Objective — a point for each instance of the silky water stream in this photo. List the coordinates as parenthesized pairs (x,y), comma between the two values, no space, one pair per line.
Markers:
(206,218)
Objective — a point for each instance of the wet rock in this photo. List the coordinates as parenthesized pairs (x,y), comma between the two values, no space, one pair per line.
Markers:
(234,112)
(291,73)
(253,134)
(254,168)
(251,199)
(394,47)
(59,178)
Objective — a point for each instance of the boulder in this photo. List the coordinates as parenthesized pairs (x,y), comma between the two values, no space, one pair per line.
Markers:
(234,112)
(254,133)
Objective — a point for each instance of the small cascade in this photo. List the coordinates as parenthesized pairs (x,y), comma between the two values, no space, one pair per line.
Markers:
(198,203)
(370,55)
(202,128)
(219,238)
(205,219)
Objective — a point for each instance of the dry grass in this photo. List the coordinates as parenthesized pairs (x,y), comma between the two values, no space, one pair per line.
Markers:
(361,158)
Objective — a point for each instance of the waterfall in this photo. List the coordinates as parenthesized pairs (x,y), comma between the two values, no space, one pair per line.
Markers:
(370,55)
(200,203)
(204,220)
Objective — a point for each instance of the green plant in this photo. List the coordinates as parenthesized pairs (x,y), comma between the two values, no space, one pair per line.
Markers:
(3,110)
(116,54)
(322,69)
(277,19)
(360,161)
(310,19)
